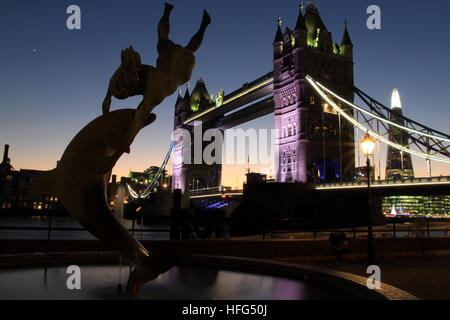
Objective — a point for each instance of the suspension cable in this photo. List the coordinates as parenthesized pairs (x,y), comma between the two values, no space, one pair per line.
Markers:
(316,85)
(376,116)
(155,178)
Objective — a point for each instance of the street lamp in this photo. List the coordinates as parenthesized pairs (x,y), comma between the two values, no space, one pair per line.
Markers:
(368,145)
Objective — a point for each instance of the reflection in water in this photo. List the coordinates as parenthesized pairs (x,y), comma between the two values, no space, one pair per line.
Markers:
(156,264)
(100,282)
(191,277)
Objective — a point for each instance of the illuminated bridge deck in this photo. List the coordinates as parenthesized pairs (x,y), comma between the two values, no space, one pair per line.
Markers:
(248,93)
(211,193)
(421,186)
(426,186)
(387,184)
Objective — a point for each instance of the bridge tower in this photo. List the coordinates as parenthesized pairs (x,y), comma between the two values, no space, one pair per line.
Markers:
(313,143)
(189,175)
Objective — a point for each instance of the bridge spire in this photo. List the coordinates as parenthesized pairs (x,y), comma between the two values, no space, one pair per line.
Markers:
(179,98)
(346,37)
(200,96)
(300,31)
(346,48)
(279,34)
(278,41)
(187,96)
(300,25)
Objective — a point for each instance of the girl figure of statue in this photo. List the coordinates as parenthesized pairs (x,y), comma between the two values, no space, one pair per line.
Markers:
(173,68)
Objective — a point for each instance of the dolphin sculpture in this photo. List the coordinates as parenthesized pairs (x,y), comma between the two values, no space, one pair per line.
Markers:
(80,185)
(81,177)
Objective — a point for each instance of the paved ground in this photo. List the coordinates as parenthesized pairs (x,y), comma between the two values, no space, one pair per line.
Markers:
(426,278)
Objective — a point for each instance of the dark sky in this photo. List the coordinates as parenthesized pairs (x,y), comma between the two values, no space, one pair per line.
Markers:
(53,80)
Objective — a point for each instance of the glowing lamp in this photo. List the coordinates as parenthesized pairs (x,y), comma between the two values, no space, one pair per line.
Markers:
(368,145)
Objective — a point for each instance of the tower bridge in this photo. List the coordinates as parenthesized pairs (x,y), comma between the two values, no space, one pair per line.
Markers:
(308,49)
(311,93)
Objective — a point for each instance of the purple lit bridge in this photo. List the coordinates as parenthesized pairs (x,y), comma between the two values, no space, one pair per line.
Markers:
(320,116)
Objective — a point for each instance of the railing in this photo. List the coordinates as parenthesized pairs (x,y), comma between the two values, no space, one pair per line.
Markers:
(220,228)
(219,191)
(385,183)
(210,190)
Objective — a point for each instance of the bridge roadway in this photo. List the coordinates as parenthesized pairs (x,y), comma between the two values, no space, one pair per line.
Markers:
(215,192)
(418,186)
(248,93)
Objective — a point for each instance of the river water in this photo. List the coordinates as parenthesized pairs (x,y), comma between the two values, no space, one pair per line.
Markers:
(7,221)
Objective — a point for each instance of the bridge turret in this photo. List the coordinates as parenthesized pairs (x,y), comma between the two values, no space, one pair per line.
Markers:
(314,24)
(346,48)
(187,100)
(300,32)
(200,96)
(180,113)
(278,41)
(179,98)
(318,35)
(325,41)
(182,107)
(178,109)
(187,96)
(288,41)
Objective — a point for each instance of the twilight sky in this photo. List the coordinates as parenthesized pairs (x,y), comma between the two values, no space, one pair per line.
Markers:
(53,80)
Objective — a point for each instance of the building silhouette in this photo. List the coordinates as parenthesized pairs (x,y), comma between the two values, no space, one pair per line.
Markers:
(15,191)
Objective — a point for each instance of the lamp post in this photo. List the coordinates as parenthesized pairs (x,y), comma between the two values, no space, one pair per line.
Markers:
(368,145)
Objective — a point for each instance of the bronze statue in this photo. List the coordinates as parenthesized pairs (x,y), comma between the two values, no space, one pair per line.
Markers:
(82,175)
(173,68)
